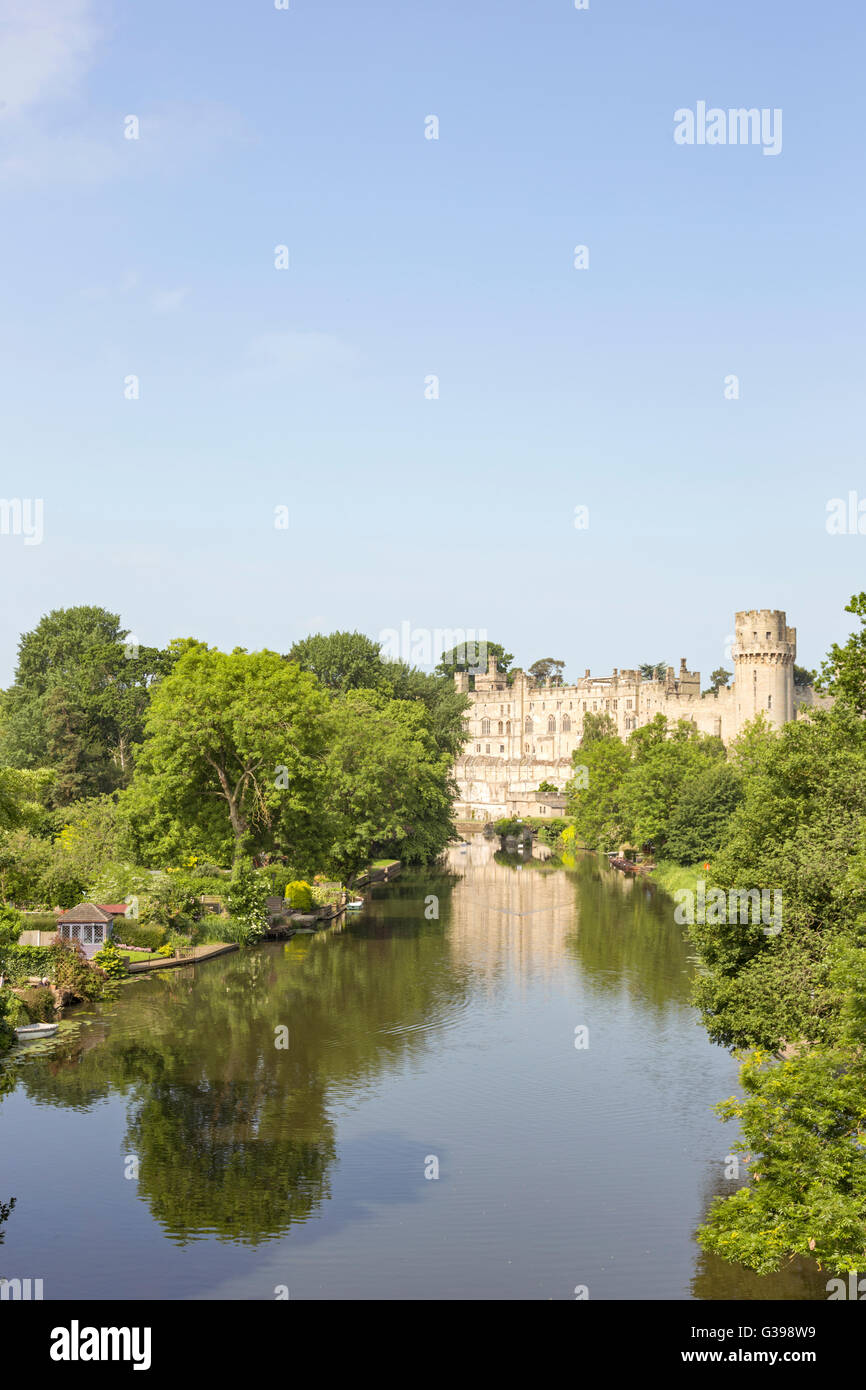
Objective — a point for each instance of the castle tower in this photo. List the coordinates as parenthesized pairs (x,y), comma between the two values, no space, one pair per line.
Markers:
(764,654)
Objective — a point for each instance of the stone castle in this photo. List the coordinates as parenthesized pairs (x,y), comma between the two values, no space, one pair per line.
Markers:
(521,735)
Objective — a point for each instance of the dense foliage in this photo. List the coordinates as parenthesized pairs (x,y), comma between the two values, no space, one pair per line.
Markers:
(783,812)
(126,771)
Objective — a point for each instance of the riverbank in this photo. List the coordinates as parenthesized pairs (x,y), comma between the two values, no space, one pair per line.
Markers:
(194,957)
(672,877)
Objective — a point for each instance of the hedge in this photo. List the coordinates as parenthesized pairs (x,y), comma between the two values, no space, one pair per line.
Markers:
(17,962)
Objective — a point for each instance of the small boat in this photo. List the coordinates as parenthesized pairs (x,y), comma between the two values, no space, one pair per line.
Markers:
(354,903)
(36,1030)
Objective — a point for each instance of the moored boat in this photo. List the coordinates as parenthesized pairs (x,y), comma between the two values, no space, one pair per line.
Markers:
(36,1030)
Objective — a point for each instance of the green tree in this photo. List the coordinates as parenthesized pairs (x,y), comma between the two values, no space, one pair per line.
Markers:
(700,817)
(234,743)
(547,671)
(718,679)
(389,786)
(78,701)
(344,661)
(340,660)
(653,671)
(470,656)
(663,759)
(597,726)
(843,674)
(593,792)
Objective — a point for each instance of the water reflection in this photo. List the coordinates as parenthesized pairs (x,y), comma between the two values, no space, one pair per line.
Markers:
(440,1020)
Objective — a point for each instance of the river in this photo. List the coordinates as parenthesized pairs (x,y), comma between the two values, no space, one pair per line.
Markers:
(511,1099)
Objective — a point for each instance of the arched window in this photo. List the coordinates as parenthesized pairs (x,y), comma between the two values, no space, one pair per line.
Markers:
(551,725)
(528,725)
(499,730)
(566,724)
(508,726)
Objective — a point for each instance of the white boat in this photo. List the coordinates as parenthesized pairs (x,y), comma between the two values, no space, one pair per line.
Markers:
(355,903)
(36,1030)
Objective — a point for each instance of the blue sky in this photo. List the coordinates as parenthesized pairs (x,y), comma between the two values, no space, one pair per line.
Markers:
(304,387)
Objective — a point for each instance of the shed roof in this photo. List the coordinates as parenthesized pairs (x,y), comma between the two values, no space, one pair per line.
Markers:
(85,912)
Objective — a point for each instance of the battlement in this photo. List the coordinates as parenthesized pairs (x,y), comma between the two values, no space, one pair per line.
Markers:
(764,632)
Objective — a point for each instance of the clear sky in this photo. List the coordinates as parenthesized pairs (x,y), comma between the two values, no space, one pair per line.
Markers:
(410,257)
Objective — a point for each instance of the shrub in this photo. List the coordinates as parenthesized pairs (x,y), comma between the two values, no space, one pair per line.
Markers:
(299,896)
(278,877)
(112,964)
(72,973)
(245,900)
(325,893)
(17,962)
(13,1012)
(145,937)
(165,951)
(39,1003)
(38,921)
(233,929)
(10,925)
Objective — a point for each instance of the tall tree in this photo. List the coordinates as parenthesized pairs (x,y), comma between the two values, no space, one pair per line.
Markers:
(340,660)
(472,656)
(235,742)
(78,701)
(653,670)
(547,671)
(389,787)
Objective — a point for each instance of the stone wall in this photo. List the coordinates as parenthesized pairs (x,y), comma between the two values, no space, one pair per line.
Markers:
(522,734)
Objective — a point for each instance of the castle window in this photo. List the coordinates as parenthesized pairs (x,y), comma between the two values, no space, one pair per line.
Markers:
(485,727)
(499,730)
(629,704)
(768,636)
(769,702)
(478,748)
(508,726)
(584,706)
(502,747)
(615,703)
(528,725)
(566,724)
(487,748)
(551,725)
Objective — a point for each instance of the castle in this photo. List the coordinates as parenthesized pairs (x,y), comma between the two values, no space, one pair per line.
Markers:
(522,734)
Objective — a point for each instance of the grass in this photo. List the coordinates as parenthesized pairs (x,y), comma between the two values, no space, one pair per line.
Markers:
(382,863)
(672,877)
(134,956)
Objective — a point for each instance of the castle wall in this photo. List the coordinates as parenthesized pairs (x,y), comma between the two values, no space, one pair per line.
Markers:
(523,734)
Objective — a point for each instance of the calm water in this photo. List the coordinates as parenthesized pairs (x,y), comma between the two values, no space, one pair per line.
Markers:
(409,1040)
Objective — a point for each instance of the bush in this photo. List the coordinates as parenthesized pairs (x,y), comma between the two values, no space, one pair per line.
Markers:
(72,973)
(148,936)
(17,962)
(233,929)
(39,1003)
(323,894)
(112,964)
(245,900)
(10,925)
(13,1013)
(299,896)
(38,921)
